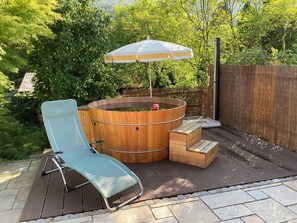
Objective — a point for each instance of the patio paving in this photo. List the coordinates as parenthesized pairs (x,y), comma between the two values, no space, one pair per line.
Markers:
(16,179)
(261,201)
(242,159)
(183,208)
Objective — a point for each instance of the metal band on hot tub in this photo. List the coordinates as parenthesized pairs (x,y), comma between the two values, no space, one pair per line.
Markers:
(154,123)
(132,152)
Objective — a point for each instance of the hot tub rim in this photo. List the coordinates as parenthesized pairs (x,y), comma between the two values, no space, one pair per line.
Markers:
(92,105)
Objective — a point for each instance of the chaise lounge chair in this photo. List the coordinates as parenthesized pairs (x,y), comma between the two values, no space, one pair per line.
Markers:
(72,150)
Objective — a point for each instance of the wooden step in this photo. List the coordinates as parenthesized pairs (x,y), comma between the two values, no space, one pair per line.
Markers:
(186,128)
(185,135)
(203,146)
(200,154)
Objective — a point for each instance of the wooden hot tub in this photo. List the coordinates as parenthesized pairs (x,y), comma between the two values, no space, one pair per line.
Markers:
(136,136)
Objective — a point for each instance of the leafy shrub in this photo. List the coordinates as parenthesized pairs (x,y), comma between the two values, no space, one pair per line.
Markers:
(250,56)
(25,108)
(17,140)
(289,56)
(71,65)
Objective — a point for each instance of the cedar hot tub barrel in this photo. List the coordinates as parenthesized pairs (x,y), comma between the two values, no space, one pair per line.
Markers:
(136,136)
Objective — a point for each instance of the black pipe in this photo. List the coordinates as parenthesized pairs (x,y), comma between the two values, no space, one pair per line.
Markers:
(217,79)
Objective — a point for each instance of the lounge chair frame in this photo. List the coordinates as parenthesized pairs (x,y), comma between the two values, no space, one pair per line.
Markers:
(59,163)
(59,167)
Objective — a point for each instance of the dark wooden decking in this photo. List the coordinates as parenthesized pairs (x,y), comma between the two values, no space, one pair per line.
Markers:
(242,159)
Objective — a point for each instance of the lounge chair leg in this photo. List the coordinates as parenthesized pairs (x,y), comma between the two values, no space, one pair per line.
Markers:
(126,202)
(62,173)
(82,184)
(43,169)
(68,188)
(43,173)
(50,171)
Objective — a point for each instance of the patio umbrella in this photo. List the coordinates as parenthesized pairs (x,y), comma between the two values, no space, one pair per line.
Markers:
(148,51)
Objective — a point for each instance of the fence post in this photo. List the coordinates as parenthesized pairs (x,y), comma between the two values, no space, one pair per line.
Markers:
(216,80)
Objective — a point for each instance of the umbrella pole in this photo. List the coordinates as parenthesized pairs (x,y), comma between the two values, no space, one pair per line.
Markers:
(150,76)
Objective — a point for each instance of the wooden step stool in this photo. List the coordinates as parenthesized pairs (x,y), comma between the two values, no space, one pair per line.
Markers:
(186,146)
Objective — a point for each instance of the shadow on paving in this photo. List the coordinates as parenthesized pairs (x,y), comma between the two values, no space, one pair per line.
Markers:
(242,159)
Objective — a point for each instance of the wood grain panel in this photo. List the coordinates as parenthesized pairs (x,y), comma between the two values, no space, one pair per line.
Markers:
(136,137)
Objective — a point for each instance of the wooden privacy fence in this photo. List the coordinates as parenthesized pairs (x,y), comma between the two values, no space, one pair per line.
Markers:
(261,100)
(198,99)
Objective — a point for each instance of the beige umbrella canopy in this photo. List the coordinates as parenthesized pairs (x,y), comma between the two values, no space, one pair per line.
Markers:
(148,51)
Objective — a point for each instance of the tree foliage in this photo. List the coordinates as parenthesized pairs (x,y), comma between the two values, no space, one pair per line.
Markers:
(251,32)
(269,28)
(20,22)
(194,24)
(71,65)
(268,24)
(17,140)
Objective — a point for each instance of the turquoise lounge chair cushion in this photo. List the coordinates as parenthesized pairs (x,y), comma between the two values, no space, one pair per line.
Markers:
(108,175)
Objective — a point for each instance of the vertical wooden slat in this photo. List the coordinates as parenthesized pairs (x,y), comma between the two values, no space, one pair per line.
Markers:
(54,197)
(92,199)
(86,123)
(73,199)
(147,192)
(34,206)
(292,143)
(153,181)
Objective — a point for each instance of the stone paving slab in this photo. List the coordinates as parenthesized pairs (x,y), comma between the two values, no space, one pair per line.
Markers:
(4,182)
(165,220)
(134,215)
(161,212)
(34,165)
(293,208)
(292,184)
(227,198)
(22,180)
(69,217)
(252,219)
(9,192)
(23,193)
(263,186)
(18,204)
(86,219)
(283,194)
(271,211)
(10,216)
(257,194)
(172,201)
(195,211)
(236,211)
(7,203)
(233,221)
(14,167)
